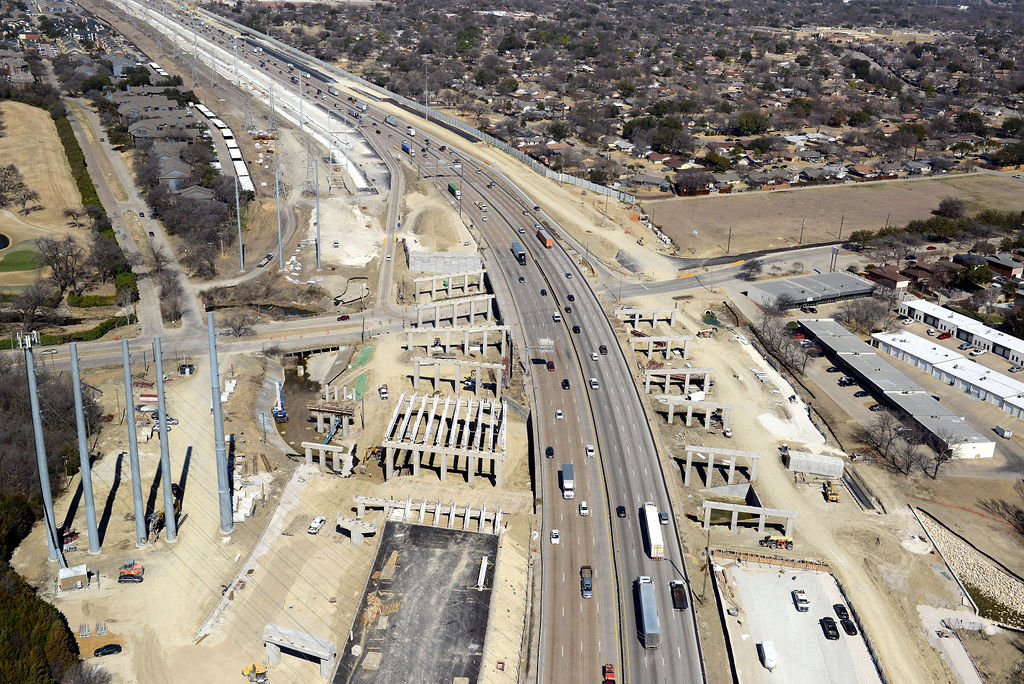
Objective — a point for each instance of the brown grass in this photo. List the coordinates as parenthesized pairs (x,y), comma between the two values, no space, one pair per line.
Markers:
(772,220)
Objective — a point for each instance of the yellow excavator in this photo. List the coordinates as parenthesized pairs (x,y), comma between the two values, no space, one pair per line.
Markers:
(255,673)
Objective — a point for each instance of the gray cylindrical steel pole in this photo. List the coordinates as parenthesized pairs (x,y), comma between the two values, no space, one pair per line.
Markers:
(83,455)
(170,519)
(317,174)
(227,523)
(133,448)
(238,216)
(44,471)
(277,201)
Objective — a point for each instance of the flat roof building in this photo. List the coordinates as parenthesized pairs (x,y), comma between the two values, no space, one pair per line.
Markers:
(899,391)
(965,328)
(810,290)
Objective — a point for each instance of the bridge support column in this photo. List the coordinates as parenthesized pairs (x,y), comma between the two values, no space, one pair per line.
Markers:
(470,468)
(711,470)
(789,527)
(309,456)
(273,654)
(707,518)
(465,518)
(389,463)
(689,463)
(416,375)
(444,467)
(760,523)
(417,456)
(734,521)
(671,413)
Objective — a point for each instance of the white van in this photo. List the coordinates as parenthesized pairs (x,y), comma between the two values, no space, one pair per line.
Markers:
(768,656)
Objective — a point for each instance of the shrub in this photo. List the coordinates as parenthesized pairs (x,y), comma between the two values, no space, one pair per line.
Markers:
(86,301)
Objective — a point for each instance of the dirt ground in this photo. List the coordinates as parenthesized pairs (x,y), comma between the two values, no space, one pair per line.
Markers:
(772,220)
(433,225)
(999,657)
(884,579)
(31,144)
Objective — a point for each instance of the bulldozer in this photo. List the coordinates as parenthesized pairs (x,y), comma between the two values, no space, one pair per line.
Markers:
(774,541)
(255,673)
(131,572)
(831,493)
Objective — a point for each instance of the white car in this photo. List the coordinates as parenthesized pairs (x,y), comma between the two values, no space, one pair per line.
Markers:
(977,352)
(584,508)
(908,321)
(593,356)
(593,383)
(317,524)
(559,415)
(590,451)
(554,537)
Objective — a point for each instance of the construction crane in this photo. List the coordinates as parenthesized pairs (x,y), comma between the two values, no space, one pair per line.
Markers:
(280,415)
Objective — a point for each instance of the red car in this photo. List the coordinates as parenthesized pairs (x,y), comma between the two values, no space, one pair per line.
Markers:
(798,336)
(945,336)
(551,365)
(343,317)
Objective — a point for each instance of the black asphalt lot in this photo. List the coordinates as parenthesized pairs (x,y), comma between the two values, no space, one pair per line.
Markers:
(437,632)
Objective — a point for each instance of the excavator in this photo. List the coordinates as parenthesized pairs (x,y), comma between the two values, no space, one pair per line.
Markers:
(255,673)
(831,493)
(156,521)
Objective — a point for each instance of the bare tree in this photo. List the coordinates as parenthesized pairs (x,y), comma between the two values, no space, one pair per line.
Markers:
(751,269)
(74,217)
(24,195)
(862,315)
(31,299)
(66,262)
(125,299)
(239,324)
(944,450)
(881,435)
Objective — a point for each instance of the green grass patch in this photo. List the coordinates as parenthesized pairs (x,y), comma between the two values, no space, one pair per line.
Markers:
(360,387)
(93,333)
(364,355)
(990,319)
(21,260)
(86,301)
(993,609)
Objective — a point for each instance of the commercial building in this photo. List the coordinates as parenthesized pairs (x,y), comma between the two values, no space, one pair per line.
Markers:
(965,328)
(791,293)
(948,429)
(955,369)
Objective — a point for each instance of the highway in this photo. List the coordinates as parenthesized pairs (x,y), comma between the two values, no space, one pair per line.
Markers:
(577,635)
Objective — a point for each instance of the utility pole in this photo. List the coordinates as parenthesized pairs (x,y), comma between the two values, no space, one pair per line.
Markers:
(841,220)
(227,524)
(133,448)
(170,519)
(728,245)
(53,546)
(277,199)
(234,46)
(238,216)
(802,224)
(316,173)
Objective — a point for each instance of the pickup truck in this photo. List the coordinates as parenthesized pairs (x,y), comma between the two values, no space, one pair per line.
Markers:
(679,601)
(800,601)
(587,581)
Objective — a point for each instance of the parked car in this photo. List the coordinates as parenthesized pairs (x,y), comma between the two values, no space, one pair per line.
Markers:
(908,321)
(861,393)
(945,335)
(828,626)
(841,611)
(965,345)
(848,626)
(977,352)
(317,524)
(107,649)
(1015,369)
(931,331)
(875,407)
(831,369)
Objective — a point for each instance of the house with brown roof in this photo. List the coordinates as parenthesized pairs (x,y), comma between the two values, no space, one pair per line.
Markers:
(889,277)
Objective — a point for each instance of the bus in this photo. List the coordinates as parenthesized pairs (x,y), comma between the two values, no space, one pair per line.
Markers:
(454,190)
(520,253)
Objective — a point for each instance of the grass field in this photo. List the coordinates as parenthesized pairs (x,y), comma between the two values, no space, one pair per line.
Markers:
(772,220)
(19,260)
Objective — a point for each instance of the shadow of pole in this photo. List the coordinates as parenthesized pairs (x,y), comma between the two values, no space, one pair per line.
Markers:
(108,507)
(184,473)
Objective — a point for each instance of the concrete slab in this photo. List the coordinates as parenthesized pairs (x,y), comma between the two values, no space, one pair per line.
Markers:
(436,619)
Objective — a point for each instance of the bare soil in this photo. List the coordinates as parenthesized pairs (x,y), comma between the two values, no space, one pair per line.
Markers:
(772,220)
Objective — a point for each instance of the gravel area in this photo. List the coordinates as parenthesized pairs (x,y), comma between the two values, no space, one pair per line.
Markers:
(971,567)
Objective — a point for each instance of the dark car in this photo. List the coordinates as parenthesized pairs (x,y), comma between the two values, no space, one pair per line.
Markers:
(828,626)
(109,649)
(875,407)
(571,297)
(861,393)
(550,452)
(343,317)
(142,214)
(152,234)
(576,329)
(551,365)
(848,626)
(565,383)
(536,208)
(522,279)
(831,369)
(841,611)
(543,292)
(603,349)
(568,309)
(620,511)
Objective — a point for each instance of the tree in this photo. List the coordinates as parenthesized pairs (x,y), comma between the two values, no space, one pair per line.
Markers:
(24,195)
(951,207)
(558,131)
(30,300)
(74,217)
(881,435)
(1012,125)
(66,262)
(105,256)
(751,269)
(239,323)
(751,122)
(973,276)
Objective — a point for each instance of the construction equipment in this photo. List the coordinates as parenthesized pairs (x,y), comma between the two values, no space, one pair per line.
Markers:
(156,521)
(255,673)
(707,332)
(280,415)
(831,493)
(131,572)
(608,672)
(774,541)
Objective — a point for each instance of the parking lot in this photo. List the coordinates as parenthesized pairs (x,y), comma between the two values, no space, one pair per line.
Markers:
(762,595)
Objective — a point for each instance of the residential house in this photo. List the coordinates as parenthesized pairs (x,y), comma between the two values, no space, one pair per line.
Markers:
(163,128)
(1005,265)
(174,173)
(889,277)
(196,193)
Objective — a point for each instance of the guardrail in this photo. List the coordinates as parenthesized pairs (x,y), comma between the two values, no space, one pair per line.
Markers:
(428,112)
